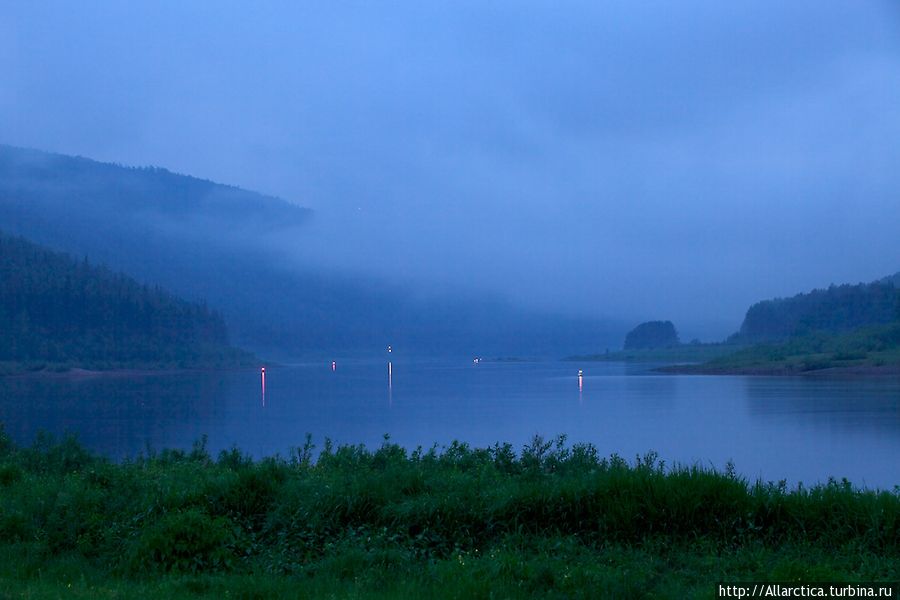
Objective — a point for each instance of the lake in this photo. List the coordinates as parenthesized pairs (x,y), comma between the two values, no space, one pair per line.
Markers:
(793,428)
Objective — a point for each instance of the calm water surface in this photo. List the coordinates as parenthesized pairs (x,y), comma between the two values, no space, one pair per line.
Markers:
(799,429)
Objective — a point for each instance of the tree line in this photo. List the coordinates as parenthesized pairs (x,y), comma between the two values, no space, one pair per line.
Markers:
(836,309)
(56,308)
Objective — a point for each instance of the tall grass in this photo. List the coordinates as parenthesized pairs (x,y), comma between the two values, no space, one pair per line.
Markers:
(535,520)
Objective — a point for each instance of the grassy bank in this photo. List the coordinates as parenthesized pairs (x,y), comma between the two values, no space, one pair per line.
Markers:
(551,520)
(867,350)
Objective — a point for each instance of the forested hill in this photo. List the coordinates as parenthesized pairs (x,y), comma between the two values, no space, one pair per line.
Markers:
(59,310)
(836,309)
(81,187)
(241,251)
(892,279)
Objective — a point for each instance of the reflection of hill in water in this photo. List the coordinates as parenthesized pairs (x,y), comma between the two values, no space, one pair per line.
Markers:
(653,390)
(115,415)
(850,404)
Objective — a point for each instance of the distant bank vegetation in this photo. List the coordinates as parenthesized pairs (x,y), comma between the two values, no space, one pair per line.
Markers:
(849,327)
(865,350)
(855,327)
(836,309)
(55,310)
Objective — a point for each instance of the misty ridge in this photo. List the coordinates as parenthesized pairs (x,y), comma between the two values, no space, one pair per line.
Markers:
(232,248)
(608,161)
(150,198)
(223,245)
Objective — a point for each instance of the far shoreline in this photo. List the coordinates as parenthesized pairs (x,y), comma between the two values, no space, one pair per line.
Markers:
(80,373)
(775,371)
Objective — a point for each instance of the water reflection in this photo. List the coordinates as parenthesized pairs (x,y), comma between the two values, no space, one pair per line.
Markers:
(115,415)
(774,428)
(836,403)
(580,386)
(263,377)
(849,426)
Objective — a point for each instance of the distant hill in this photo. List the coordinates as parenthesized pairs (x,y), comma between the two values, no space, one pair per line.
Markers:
(840,329)
(892,279)
(836,309)
(206,241)
(651,335)
(152,197)
(59,310)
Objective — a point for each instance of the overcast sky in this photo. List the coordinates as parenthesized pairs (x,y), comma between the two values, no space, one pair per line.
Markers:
(628,159)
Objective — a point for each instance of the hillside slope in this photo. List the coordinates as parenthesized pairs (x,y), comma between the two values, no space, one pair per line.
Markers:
(232,248)
(59,310)
(841,329)
(150,196)
(836,309)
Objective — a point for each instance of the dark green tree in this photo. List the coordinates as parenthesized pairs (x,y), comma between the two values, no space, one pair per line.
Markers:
(54,308)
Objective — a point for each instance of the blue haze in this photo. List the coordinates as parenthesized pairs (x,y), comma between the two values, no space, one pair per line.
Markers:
(616,159)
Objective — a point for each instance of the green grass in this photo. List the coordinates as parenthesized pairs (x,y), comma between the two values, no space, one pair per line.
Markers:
(550,521)
(868,347)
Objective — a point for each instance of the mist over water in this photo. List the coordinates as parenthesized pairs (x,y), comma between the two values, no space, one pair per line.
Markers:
(611,161)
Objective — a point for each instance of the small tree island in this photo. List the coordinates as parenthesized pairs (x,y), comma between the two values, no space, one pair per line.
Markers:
(652,334)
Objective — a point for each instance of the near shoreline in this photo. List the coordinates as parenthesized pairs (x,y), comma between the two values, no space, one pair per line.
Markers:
(551,521)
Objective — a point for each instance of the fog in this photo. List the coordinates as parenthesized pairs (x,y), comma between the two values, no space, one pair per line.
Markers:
(618,160)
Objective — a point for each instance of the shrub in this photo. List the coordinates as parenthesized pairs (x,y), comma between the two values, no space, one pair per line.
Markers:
(9,474)
(187,541)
